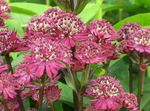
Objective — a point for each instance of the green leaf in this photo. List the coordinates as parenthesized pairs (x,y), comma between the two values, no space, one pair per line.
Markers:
(17,22)
(58,106)
(30,7)
(142,19)
(89,12)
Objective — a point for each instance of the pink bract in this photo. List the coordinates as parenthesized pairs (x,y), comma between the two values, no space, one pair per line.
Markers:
(8,85)
(3,67)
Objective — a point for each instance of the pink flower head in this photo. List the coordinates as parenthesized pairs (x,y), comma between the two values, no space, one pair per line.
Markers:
(3,67)
(127,30)
(9,42)
(8,85)
(38,24)
(52,13)
(105,87)
(68,29)
(129,101)
(52,93)
(89,52)
(105,104)
(24,74)
(4,9)
(140,40)
(102,31)
(48,56)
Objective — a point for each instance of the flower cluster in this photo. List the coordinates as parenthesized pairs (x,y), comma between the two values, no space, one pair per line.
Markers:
(108,94)
(4,9)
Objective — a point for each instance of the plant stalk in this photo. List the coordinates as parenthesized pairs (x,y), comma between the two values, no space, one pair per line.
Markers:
(19,99)
(41,94)
(52,107)
(130,76)
(140,86)
(47,2)
(78,101)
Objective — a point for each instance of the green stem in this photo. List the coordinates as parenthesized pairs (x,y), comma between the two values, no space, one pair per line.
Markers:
(19,99)
(130,76)
(140,86)
(5,104)
(78,101)
(47,2)
(52,107)
(85,76)
(41,94)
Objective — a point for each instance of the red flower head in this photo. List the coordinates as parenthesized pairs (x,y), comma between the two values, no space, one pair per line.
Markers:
(127,30)
(89,52)
(52,93)
(9,42)
(104,87)
(48,56)
(68,29)
(38,24)
(8,85)
(129,101)
(102,31)
(4,9)
(140,40)
(53,13)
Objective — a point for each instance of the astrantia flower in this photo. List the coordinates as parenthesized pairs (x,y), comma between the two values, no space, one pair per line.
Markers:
(3,67)
(47,56)
(38,24)
(127,30)
(8,85)
(52,93)
(4,9)
(105,87)
(9,42)
(140,40)
(89,52)
(129,101)
(24,74)
(53,13)
(102,31)
(68,29)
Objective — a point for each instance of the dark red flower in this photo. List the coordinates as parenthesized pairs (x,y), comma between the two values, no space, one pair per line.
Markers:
(101,31)
(129,101)
(9,42)
(38,24)
(47,56)
(127,30)
(140,41)
(4,9)
(68,29)
(89,52)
